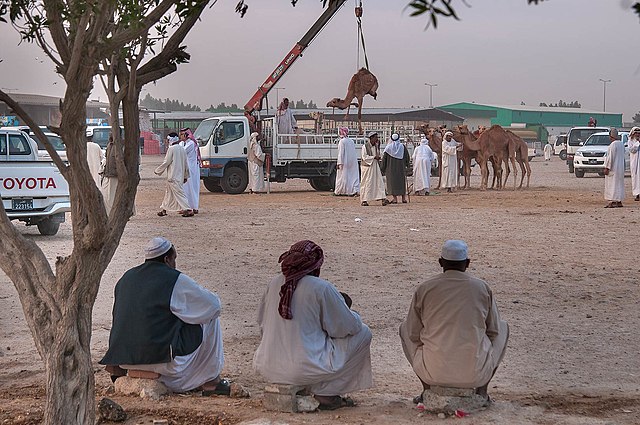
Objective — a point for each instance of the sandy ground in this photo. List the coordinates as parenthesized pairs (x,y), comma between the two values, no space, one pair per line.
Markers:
(564,271)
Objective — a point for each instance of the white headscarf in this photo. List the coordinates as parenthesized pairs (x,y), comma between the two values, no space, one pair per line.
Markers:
(447,134)
(634,133)
(254,137)
(424,141)
(173,139)
(394,147)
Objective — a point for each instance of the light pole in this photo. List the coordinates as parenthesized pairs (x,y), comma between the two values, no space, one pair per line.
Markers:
(277,97)
(431,86)
(604,94)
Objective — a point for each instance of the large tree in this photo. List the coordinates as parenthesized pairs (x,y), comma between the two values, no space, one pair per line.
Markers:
(84,39)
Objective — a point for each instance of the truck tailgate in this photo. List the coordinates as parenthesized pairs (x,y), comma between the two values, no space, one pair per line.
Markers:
(31,179)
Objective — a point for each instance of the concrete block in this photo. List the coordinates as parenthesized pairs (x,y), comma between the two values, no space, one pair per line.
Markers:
(288,398)
(280,402)
(469,401)
(306,403)
(452,392)
(283,389)
(145,388)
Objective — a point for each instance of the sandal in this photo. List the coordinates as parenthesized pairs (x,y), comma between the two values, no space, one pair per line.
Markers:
(188,213)
(418,399)
(337,403)
(610,205)
(162,213)
(393,202)
(385,202)
(222,388)
(364,204)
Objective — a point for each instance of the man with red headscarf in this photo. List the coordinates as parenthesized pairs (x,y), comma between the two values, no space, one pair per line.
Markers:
(309,335)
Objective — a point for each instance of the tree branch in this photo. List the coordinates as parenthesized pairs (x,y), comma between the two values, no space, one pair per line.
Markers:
(57,30)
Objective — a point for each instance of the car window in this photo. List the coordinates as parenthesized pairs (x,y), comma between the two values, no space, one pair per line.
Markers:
(3,144)
(598,140)
(229,131)
(18,145)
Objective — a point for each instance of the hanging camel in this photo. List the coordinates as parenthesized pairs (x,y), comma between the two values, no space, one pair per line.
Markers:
(522,157)
(362,83)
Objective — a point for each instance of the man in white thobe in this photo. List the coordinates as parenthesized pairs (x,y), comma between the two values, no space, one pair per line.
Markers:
(372,183)
(287,123)
(614,171)
(95,159)
(347,174)
(422,158)
(175,164)
(109,178)
(309,336)
(166,324)
(256,160)
(449,164)
(453,335)
(548,149)
(192,186)
(634,148)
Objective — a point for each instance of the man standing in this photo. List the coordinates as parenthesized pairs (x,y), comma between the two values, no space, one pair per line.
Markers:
(175,164)
(394,166)
(548,149)
(286,121)
(453,335)
(614,171)
(192,186)
(450,170)
(166,324)
(634,147)
(347,175)
(310,337)
(422,157)
(372,184)
(95,159)
(256,161)
(109,181)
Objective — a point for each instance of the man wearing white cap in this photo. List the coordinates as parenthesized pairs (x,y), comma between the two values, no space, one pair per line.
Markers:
(453,335)
(395,161)
(372,183)
(634,147)
(422,157)
(450,170)
(165,323)
(347,175)
(614,171)
(177,168)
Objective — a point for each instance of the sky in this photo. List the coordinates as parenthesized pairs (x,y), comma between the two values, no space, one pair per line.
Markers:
(500,52)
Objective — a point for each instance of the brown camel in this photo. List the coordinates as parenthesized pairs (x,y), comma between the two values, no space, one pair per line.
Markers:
(362,83)
(468,153)
(435,143)
(522,157)
(493,142)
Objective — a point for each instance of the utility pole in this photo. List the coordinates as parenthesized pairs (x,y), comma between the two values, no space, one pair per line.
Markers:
(277,89)
(604,94)
(431,86)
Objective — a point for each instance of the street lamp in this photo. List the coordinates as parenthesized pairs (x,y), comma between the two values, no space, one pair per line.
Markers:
(604,94)
(431,86)
(277,97)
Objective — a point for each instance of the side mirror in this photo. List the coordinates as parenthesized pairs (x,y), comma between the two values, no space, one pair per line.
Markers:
(581,143)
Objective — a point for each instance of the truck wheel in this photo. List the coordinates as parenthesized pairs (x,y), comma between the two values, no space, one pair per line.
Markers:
(563,155)
(530,158)
(601,173)
(321,184)
(48,227)
(235,180)
(579,173)
(571,169)
(212,184)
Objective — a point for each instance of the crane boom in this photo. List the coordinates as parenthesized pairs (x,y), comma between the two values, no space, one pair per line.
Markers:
(255,103)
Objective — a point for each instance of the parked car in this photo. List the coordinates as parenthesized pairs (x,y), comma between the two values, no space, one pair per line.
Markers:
(560,146)
(589,158)
(53,138)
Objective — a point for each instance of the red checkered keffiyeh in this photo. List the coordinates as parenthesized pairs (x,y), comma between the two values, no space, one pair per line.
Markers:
(303,258)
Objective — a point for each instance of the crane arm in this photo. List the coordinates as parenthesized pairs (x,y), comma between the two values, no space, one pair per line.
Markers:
(255,103)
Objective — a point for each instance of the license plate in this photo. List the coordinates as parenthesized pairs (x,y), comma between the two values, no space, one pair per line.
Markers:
(22,204)
(593,161)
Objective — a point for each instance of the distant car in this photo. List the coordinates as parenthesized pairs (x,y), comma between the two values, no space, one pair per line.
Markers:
(560,146)
(589,158)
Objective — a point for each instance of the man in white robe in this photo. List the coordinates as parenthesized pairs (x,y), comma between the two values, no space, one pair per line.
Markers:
(95,159)
(614,171)
(109,178)
(548,149)
(372,183)
(634,148)
(256,161)
(309,336)
(175,164)
(347,174)
(422,158)
(449,164)
(166,324)
(453,335)
(287,123)
(192,186)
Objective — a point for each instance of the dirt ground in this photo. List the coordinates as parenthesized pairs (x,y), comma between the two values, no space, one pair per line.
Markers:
(564,271)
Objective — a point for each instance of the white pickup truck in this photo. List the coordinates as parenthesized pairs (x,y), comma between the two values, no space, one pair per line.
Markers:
(33,191)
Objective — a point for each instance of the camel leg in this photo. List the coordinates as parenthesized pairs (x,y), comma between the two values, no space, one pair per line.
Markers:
(439,170)
(524,172)
(528,173)
(467,174)
(484,172)
(515,171)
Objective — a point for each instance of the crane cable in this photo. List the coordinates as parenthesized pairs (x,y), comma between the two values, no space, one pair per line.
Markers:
(358,11)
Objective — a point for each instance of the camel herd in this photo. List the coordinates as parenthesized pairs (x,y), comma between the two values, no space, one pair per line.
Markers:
(494,145)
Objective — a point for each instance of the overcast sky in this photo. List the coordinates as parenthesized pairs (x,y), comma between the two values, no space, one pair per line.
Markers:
(501,52)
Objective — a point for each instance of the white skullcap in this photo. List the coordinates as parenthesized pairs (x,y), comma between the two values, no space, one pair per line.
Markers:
(173,139)
(156,247)
(448,133)
(373,133)
(395,137)
(425,140)
(454,250)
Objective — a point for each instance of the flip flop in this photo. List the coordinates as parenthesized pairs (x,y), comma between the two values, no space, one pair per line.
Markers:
(188,214)
(393,202)
(337,404)
(162,213)
(364,204)
(418,399)
(385,202)
(222,388)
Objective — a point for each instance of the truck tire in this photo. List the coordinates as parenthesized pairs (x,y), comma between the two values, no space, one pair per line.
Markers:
(571,169)
(563,155)
(579,173)
(212,184)
(48,227)
(234,181)
(530,158)
(321,184)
